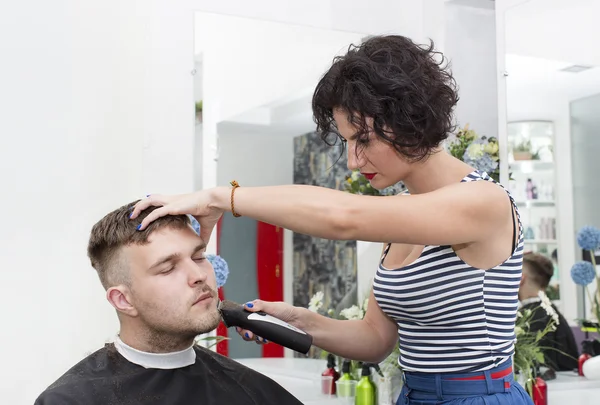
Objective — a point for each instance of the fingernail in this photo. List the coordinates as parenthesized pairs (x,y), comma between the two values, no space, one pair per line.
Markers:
(266,341)
(250,305)
(138,227)
(147,195)
(247,335)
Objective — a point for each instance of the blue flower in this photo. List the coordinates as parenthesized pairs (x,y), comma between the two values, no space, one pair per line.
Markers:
(195,224)
(485,163)
(221,269)
(583,273)
(588,238)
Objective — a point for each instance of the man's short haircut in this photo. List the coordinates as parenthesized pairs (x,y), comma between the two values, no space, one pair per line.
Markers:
(115,231)
(539,268)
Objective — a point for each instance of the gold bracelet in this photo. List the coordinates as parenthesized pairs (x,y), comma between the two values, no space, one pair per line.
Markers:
(235,185)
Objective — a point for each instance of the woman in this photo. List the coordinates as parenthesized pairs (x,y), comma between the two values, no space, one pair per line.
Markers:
(447,282)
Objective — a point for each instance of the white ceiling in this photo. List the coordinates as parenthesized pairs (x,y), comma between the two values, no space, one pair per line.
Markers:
(542,37)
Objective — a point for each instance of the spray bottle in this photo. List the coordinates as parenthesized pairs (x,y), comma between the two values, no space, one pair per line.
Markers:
(343,390)
(586,354)
(366,391)
(328,388)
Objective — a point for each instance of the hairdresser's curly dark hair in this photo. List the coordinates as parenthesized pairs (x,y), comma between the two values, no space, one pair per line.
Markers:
(401,85)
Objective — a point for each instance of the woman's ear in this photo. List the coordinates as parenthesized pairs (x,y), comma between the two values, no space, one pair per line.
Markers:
(120,298)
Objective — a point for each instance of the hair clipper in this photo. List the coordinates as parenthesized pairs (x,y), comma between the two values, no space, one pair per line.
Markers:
(265,326)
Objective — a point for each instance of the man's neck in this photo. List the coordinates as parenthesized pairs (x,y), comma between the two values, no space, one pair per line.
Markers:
(528,293)
(154,342)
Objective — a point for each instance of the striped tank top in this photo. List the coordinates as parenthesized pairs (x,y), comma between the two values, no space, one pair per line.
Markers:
(451,316)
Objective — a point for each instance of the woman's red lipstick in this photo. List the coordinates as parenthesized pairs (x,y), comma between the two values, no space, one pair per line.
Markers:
(369,176)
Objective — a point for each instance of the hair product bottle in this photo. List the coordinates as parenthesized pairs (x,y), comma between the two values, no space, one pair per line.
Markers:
(328,387)
(586,354)
(344,390)
(366,392)
(540,392)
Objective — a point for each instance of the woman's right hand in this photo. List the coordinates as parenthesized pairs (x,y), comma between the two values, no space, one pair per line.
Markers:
(280,310)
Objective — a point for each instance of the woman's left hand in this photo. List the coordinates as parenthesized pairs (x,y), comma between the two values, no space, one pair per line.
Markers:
(200,204)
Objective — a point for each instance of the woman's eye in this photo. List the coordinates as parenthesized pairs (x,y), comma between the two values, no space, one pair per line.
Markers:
(167,271)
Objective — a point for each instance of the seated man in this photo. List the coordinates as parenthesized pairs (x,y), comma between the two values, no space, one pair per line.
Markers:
(561,353)
(164,292)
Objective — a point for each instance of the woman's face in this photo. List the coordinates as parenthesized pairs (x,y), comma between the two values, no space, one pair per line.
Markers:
(376,159)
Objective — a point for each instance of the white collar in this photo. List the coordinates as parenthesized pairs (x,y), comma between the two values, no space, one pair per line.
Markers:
(164,361)
(528,301)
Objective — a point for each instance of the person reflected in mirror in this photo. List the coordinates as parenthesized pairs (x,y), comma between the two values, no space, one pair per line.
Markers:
(560,349)
(445,287)
(164,292)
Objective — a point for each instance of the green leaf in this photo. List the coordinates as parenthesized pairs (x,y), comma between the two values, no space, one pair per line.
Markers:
(539,356)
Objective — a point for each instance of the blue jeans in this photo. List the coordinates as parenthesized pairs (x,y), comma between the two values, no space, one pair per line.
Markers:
(480,389)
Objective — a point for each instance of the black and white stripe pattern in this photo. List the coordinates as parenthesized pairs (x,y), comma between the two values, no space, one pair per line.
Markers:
(452,317)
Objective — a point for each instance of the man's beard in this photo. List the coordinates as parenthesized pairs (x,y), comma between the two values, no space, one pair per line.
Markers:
(177,332)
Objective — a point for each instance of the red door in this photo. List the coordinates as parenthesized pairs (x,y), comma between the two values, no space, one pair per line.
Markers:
(269,272)
(222,346)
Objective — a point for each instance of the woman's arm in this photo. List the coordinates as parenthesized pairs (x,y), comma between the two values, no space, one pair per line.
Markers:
(460,213)
(371,339)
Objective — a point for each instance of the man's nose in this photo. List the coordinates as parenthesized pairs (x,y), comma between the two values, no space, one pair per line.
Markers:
(196,274)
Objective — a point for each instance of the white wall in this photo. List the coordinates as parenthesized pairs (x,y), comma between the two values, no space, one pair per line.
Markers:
(257,62)
(470,44)
(97,102)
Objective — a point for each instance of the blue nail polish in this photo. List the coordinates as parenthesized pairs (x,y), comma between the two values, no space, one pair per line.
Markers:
(138,227)
(250,305)
(266,341)
(247,335)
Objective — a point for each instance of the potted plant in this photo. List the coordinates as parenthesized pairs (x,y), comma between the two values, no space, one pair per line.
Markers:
(522,151)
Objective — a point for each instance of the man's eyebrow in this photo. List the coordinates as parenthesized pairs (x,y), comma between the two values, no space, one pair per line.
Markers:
(198,248)
(176,256)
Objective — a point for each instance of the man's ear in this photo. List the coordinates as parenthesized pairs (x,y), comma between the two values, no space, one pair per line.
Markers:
(120,298)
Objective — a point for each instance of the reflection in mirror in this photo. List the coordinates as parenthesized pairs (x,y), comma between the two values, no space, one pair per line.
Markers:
(256,126)
(553,105)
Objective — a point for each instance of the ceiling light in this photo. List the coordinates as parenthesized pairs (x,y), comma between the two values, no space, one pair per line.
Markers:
(575,68)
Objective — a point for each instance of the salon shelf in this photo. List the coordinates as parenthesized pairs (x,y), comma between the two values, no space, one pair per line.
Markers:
(530,166)
(541,241)
(535,203)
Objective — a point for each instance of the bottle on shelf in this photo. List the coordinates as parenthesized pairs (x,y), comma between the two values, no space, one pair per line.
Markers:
(529,189)
(540,392)
(366,391)
(328,387)
(586,353)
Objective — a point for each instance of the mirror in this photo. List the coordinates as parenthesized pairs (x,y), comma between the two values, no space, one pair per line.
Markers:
(553,110)
(255,123)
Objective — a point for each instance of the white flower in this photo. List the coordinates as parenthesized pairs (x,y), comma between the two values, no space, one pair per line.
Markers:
(475,151)
(365,304)
(547,305)
(354,312)
(355,175)
(316,302)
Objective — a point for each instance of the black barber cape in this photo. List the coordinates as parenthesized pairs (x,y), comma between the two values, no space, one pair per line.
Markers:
(107,378)
(560,349)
